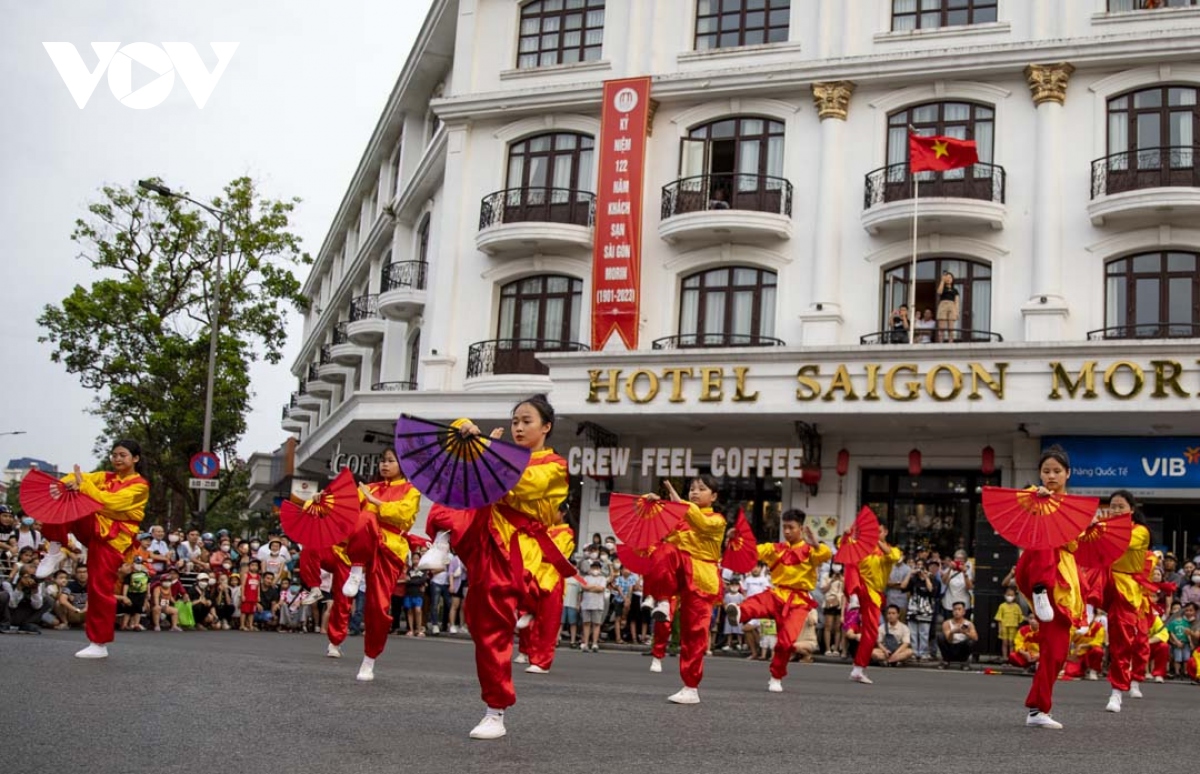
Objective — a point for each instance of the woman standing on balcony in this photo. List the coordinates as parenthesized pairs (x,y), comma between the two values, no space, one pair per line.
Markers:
(947,308)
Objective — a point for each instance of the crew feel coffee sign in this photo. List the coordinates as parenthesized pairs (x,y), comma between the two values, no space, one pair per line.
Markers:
(616,261)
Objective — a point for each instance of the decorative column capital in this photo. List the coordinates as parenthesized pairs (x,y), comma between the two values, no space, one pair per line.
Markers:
(1048,83)
(832,98)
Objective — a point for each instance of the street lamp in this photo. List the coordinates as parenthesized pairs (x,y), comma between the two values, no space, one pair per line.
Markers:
(214,316)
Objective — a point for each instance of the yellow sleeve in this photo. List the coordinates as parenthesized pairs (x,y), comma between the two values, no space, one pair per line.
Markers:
(401,513)
(820,554)
(131,498)
(705,523)
(1140,539)
(547,481)
(767,553)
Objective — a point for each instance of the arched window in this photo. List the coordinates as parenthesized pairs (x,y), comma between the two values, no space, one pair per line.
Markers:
(928,14)
(557,32)
(1152,295)
(550,179)
(734,163)
(544,308)
(414,358)
(1152,139)
(974,283)
(962,120)
(727,307)
(423,239)
(733,23)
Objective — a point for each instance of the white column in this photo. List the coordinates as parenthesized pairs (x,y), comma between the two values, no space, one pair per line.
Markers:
(448,225)
(821,323)
(1046,311)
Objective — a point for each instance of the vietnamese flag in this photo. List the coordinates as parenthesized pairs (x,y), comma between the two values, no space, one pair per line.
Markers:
(938,154)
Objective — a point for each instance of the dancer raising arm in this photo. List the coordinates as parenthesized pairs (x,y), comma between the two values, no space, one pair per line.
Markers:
(868,579)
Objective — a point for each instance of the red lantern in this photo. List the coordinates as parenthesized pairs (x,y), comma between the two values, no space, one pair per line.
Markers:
(987,465)
(843,462)
(810,476)
(914,462)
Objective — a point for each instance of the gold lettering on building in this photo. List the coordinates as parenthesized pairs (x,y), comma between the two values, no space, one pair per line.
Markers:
(889,382)
(596,383)
(1136,381)
(841,381)
(712,384)
(810,388)
(995,383)
(1086,380)
(676,376)
(1166,374)
(956,382)
(739,393)
(872,382)
(631,386)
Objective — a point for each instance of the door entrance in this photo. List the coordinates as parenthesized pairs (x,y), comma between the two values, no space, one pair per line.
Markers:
(937,509)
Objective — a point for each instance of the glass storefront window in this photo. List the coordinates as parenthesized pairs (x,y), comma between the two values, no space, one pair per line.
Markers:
(938,509)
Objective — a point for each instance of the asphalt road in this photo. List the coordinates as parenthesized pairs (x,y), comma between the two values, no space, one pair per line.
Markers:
(230,702)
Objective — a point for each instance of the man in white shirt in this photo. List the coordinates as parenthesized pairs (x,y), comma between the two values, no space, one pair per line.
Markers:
(895,641)
(265,550)
(160,550)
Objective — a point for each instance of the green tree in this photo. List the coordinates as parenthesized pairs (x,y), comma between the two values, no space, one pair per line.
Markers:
(138,334)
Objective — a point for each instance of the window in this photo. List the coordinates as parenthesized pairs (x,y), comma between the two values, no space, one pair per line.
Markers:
(423,240)
(557,32)
(1116,6)
(962,120)
(1151,139)
(550,179)
(727,307)
(734,163)
(974,283)
(1152,295)
(543,309)
(929,14)
(414,357)
(733,23)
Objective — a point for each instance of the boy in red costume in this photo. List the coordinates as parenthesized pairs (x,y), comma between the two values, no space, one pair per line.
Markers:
(1128,605)
(1086,656)
(686,566)
(793,565)
(1025,652)
(869,579)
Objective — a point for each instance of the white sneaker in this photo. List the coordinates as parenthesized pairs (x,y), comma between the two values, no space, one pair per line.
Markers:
(353,583)
(366,672)
(1114,702)
(454,630)
(310,597)
(859,676)
(662,611)
(333,651)
(436,559)
(93,651)
(435,629)
(595,648)
(1043,609)
(656,665)
(524,621)
(1135,690)
(1091,675)
(50,562)
(685,696)
(1042,720)
(647,602)
(491,727)
(775,685)
(521,659)
(1158,679)
(534,669)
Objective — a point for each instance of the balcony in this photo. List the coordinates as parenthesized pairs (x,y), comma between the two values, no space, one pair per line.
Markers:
(365,327)
(1146,187)
(394,386)
(328,369)
(489,362)
(726,208)
(1147,331)
(306,399)
(957,335)
(715,340)
(341,350)
(957,201)
(293,424)
(536,220)
(1119,6)
(317,385)
(402,290)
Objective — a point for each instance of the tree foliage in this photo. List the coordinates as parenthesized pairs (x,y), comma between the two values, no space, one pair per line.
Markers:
(138,334)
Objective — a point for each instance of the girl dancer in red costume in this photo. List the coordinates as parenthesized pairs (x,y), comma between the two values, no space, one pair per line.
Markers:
(1128,607)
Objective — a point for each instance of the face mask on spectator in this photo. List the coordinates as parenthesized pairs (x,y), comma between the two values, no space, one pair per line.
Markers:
(202,584)
(1009,598)
(595,571)
(225,547)
(255,545)
(173,539)
(228,566)
(28,522)
(1196,579)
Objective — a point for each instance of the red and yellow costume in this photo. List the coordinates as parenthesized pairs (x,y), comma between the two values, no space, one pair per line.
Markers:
(1087,652)
(333,560)
(662,633)
(108,535)
(1055,569)
(793,575)
(1026,642)
(1160,648)
(539,639)
(868,579)
(1192,665)
(686,566)
(379,546)
(1129,614)
(503,547)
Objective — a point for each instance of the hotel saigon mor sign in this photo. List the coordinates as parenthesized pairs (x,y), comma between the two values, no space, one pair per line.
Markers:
(897,382)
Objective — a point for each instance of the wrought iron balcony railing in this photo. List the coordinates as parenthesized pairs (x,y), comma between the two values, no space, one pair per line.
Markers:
(1134,170)
(1147,331)
(393,386)
(735,191)
(403,274)
(932,336)
(538,205)
(713,340)
(364,308)
(514,356)
(893,183)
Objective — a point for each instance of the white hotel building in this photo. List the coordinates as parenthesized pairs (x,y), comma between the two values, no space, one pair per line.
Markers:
(776,241)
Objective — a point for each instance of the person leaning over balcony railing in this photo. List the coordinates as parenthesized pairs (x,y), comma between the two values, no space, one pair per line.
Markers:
(900,326)
(947,308)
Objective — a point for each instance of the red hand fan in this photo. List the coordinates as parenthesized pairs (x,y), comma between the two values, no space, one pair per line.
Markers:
(328,519)
(641,522)
(1104,542)
(48,500)
(638,560)
(1032,521)
(860,540)
(417,541)
(741,552)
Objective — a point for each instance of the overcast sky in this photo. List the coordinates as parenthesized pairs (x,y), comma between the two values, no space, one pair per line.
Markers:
(294,110)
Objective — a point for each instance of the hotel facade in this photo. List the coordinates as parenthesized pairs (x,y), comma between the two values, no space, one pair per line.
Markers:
(713,286)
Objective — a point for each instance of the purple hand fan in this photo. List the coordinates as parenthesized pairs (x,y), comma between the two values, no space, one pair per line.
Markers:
(456,471)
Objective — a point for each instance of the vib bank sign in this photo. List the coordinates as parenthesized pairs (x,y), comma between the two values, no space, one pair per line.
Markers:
(162,62)
(1138,464)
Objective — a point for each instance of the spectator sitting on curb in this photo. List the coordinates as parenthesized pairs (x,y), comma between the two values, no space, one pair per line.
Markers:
(24,605)
(957,638)
(71,603)
(895,646)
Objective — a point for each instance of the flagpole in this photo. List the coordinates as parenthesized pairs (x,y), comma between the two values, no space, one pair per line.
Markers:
(912,275)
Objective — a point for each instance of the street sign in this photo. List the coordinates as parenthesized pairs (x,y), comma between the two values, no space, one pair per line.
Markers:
(203,483)
(204,465)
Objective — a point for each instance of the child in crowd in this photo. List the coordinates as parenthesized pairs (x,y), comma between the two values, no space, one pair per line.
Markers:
(733,630)
(290,614)
(572,591)
(591,607)
(1179,626)
(250,589)
(1009,616)
(414,600)
(136,586)
(1025,650)
(224,603)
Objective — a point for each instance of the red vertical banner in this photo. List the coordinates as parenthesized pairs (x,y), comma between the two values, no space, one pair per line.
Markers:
(617,251)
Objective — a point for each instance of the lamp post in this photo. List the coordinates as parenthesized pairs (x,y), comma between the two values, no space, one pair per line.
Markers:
(214,315)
